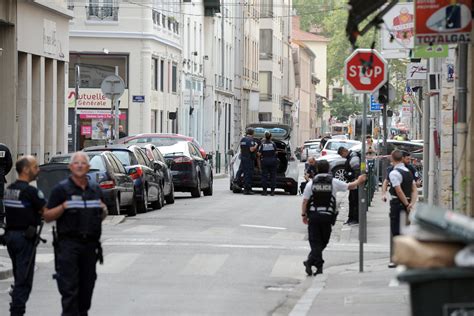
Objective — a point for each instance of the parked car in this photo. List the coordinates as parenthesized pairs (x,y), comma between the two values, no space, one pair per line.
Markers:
(147,182)
(332,145)
(106,170)
(339,136)
(157,139)
(287,170)
(310,149)
(191,171)
(155,156)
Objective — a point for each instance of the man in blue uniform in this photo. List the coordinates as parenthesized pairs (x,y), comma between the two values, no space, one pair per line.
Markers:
(268,152)
(78,208)
(23,207)
(248,148)
(6,164)
(351,171)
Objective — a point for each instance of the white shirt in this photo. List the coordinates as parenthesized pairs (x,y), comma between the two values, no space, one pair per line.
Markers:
(395,176)
(337,186)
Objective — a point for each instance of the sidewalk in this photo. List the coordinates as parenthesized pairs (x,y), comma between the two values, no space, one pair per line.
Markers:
(343,290)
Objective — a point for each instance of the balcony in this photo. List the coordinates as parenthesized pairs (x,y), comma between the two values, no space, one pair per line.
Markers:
(265,97)
(102,13)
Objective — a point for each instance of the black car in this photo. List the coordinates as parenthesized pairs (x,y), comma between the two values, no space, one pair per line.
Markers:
(147,182)
(191,171)
(106,170)
(159,162)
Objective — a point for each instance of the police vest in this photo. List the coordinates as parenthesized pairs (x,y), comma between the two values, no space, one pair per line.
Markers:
(350,173)
(406,184)
(82,217)
(268,150)
(323,202)
(19,211)
(244,148)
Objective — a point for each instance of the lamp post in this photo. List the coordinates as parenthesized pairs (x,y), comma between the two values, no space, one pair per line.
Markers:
(77,71)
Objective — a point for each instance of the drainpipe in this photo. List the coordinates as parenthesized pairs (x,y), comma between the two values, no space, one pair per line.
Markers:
(432,128)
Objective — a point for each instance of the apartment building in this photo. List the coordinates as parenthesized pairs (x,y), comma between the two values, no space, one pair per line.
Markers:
(34,59)
(141,42)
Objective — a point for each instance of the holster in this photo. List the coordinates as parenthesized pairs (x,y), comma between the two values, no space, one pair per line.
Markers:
(100,255)
(55,247)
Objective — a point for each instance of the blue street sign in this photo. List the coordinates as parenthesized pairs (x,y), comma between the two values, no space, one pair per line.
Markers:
(138,98)
(374,106)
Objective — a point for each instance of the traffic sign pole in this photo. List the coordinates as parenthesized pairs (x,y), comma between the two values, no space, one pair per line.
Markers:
(363,189)
(113,87)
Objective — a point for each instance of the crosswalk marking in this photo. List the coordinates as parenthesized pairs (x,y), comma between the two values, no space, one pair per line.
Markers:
(144,229)
(204,264)
(261,226)
(117,262)
(288,267)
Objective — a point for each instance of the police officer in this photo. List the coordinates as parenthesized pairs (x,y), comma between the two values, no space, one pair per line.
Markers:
(310,171)
(268,152)
(248,148)
(352,171)
(407,162)
(24,205)
(403,191)
(78,208)
(319,212)
(6,164)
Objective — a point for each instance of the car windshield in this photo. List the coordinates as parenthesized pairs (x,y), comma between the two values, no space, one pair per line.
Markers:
(95,161)
(177,148)
(123,156)
(158,141)
(60,159)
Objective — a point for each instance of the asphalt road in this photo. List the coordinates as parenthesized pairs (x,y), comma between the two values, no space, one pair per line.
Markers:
(225,254)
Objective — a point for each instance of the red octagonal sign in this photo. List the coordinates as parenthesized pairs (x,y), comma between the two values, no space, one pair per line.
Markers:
(365,70)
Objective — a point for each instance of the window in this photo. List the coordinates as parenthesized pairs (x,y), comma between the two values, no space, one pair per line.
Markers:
(162,75)
(97,163)
(266,44)
(154,114)
(154,74)
(265,84)
(119,164)
(266,8)
(95,68)
(142,159)
(103,10)
(174,78)
(264,117)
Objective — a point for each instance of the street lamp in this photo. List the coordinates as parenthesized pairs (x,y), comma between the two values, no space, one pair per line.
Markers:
(77,71)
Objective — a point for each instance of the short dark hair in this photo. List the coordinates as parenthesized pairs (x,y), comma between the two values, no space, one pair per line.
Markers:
(21,164)
(323,166)
(268,135)
(406,153)
(397,155)
(368,136)
(249,131)
(341,149)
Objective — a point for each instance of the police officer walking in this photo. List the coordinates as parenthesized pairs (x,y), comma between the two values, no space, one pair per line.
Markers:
(268,152)
(351,171)
(319,212)
(6,164)
(248,148)
(24,205)
(78,208)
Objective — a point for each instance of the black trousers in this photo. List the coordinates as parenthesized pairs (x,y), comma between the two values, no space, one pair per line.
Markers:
(319,233)
(354,205)
(396,208)
(76,275)
(2,209)
(247,168)
(269,169)
(20,251)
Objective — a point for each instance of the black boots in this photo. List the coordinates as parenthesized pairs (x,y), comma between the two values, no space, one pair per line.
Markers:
(309,271)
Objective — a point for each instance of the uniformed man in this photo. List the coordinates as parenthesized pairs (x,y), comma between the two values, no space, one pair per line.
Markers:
(403,191)
(268,153)
(319,212)
(352,171)
(78,208)
(6,164)
(310,170)
(248,148)
(407,162)
(24,205)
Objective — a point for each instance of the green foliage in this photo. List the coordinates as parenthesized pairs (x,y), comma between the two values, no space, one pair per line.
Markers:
(342,106)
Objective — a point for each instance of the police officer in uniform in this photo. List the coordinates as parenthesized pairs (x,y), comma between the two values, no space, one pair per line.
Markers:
(248,148)
(319,212)
(24,205)
(352,171)
(6,164)
(268,152)
(406,161)
(78,208)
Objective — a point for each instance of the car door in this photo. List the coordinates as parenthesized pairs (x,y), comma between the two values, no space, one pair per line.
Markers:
(166,172)
(151,177)
(123,180)
(203,165)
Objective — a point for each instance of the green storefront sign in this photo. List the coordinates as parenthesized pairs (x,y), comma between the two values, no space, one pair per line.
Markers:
(431,51)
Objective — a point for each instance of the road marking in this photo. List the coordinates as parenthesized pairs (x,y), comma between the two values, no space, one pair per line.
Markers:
(44,257)
(204,264)
(144,229)
(117,262)
(304,304)
(218,231)
(288,267)
(266,227)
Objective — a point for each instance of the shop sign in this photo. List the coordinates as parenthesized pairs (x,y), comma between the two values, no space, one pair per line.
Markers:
(98,114)
(431,51)
(417,71)
(86,130)
(94,98)
(399,27)
(442,21)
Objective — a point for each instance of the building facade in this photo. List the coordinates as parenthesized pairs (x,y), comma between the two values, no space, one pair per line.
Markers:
(34,63)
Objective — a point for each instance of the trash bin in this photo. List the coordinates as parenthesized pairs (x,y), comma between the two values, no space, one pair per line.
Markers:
(443,292)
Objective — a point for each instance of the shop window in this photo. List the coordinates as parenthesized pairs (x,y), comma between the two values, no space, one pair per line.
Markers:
(94,68)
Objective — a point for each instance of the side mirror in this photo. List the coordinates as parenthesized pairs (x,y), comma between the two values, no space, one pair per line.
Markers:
(230,152)
(208,157)
(157,165)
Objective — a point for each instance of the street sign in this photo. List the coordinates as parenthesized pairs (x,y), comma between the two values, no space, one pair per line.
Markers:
(112,87)
(442,21)
(374,105)
(138,98)
(365,70)
(417,71)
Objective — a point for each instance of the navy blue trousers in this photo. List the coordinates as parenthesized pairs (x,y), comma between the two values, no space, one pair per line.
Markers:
(247,168)
(269,169)
(20,250)
(319,233)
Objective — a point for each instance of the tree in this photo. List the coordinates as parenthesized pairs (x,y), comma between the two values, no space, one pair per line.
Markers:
(342,106)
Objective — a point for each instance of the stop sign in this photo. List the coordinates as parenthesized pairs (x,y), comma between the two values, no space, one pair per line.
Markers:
(365,70)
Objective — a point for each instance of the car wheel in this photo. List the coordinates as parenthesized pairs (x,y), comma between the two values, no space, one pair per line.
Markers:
(170,197)
(339,173)
(158,204)
(132,209)
(209,190)
(143,202)
(196,192)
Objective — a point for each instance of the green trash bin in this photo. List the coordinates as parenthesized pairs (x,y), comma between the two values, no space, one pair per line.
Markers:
(443,292)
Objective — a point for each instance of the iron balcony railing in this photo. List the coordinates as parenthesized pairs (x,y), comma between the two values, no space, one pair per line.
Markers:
(103,13)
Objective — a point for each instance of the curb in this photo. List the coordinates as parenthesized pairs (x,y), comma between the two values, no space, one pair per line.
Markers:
(113,220)
(6,270)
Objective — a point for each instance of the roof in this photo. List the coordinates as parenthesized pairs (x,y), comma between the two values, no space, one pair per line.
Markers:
(300,35)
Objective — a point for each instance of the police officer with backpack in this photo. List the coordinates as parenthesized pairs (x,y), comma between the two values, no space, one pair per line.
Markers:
(319,212)
(77,206)
(248,149)
(6,164)
(268,153)
(351,172)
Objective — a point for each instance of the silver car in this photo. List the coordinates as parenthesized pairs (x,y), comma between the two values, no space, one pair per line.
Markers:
(311,149)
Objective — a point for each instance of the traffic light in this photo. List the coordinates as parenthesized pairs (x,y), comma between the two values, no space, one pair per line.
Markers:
(383,94)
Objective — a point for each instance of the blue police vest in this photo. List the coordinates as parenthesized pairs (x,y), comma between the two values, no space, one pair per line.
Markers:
(268,150)
(19,211)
